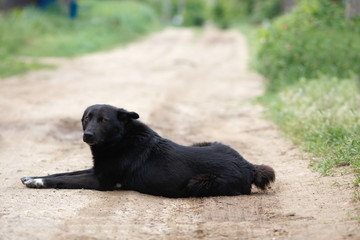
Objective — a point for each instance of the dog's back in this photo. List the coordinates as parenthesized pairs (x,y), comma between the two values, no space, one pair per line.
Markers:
(204,169)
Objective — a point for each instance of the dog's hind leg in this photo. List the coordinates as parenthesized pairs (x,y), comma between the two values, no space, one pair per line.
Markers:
(214,185)
(74,180)
(210,185)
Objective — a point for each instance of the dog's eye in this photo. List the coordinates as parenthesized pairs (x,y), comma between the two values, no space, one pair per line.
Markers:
(86,119)
(103,120)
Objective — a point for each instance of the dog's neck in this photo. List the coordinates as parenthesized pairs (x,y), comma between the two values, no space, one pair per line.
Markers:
(137,136)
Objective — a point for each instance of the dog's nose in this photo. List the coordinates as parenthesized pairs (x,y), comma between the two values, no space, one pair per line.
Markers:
(88,136)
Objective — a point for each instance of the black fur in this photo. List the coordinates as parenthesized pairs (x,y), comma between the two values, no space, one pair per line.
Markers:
(129,155)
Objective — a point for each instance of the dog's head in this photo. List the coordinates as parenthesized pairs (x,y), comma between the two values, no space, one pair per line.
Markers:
(105,123)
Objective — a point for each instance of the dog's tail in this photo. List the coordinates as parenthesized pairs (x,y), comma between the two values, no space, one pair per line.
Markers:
(264,175)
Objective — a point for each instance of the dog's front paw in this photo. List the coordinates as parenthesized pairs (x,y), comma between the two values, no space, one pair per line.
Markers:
(33,182)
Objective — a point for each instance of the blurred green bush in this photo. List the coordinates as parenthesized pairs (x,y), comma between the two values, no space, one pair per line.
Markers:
(229,12)
(314,39)
(265,10)
(192,12)
(196,13)
(224,13)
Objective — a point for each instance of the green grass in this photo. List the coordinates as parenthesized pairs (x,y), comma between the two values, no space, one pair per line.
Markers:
(100,25)
(10,67)
(323,117)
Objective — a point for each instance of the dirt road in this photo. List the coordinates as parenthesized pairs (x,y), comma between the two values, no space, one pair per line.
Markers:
(189,88)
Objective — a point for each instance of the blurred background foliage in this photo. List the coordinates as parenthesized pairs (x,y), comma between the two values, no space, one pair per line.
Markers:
(100,25)
(224,13)
(315,38)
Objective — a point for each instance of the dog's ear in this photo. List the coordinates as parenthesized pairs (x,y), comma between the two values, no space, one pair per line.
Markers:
(133,115)
(125,115)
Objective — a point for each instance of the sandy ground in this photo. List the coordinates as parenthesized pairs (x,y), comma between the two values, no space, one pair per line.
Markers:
(189,88)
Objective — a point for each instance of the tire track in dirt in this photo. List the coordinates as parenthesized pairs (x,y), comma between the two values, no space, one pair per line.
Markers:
(188,88)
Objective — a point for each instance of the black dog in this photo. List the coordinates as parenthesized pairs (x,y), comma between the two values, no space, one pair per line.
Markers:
(129,155)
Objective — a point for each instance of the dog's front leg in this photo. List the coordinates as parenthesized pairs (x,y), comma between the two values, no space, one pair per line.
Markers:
(74,180)
(62,174)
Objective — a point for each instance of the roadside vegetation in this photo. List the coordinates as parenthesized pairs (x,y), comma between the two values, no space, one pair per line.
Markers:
(311,57)
(321,115)
(31,31)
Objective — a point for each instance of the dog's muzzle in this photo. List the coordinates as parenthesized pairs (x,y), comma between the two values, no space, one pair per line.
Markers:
(89,138)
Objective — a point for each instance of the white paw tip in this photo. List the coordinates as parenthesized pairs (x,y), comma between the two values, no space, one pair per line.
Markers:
(33,182)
